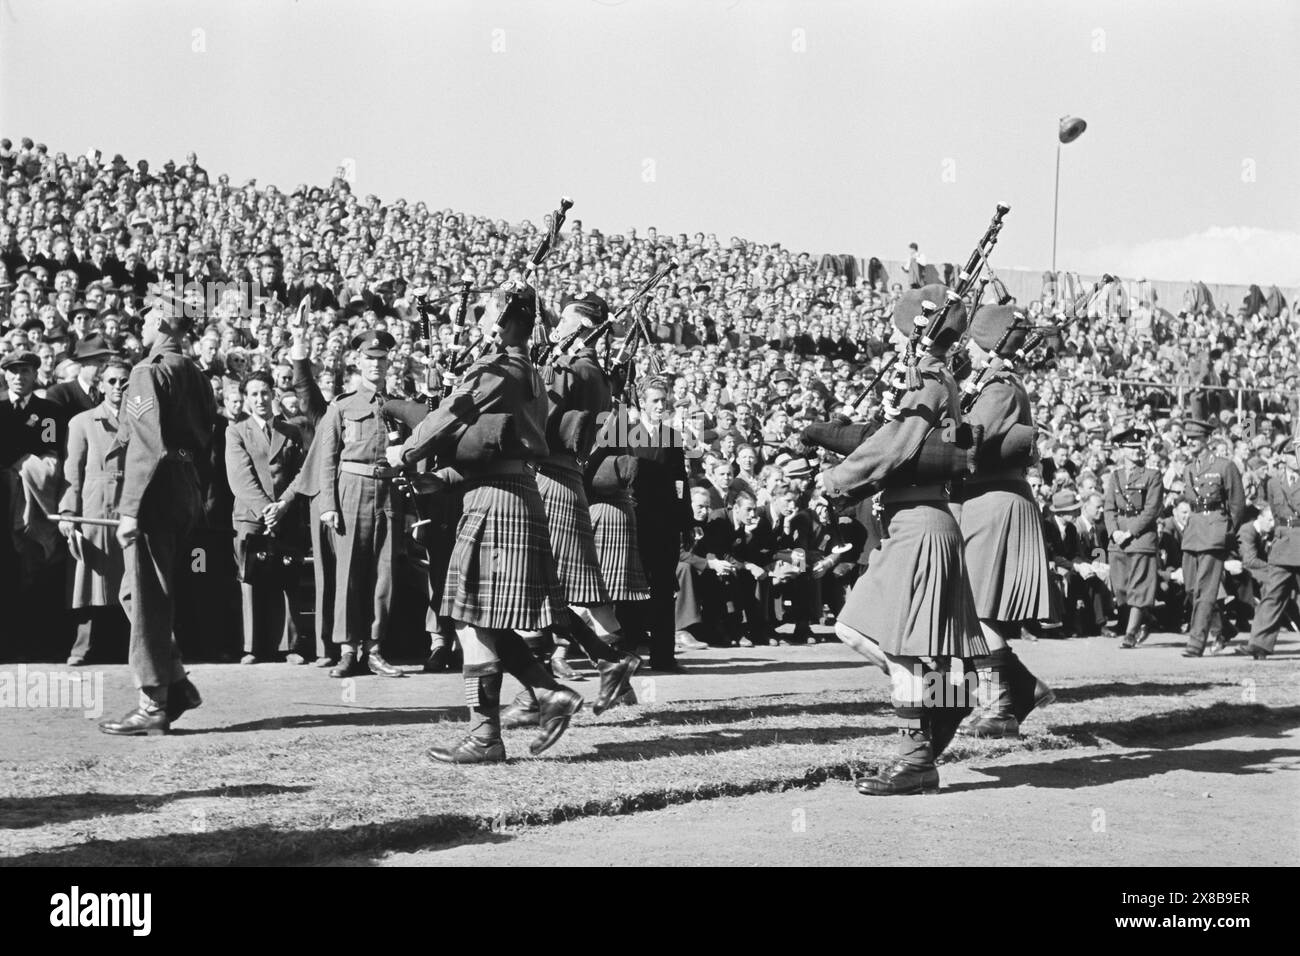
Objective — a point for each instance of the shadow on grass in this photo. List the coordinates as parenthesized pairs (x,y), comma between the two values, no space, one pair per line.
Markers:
(347,717)
(724,714)
(724,740)
(267,845)
(1070,695)
(18,813)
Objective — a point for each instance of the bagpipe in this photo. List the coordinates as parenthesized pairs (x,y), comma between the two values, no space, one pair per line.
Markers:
(927,325)
(439,379)
(591,337)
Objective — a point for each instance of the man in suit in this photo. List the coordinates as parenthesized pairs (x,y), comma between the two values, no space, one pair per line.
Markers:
(166,430)
(1062,540)
(1091,566)
(82,393)
(93,471)
(31,441)
(662,514)
(263,457)
(1212,486)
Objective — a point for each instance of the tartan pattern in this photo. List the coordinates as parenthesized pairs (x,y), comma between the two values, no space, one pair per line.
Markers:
(502,573)
(914,599)
(572,540)
(613,521)
(1006,556)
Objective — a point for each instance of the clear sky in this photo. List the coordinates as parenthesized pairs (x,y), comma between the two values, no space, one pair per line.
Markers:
(827,125)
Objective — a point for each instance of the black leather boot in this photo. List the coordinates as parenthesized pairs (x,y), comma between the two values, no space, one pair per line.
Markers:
(615,680)
(912,771)
(138,723)
(375,661)
(181,696)
(521,712)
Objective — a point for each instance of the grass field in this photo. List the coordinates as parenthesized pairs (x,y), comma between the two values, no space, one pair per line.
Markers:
(299,794)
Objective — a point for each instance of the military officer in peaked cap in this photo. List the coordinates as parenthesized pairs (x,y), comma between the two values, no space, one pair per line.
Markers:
(1133,497)
(1212,486)
(362,510)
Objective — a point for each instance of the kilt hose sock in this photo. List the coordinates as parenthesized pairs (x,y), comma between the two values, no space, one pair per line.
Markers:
(907,694)
(483,697)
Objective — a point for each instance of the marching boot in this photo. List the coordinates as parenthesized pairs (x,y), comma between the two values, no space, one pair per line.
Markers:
(943,727)
(439,659)
(615,678)
(181,696)
(556,704)
(347,665)
(375,661)
(521,712)
(1027,691)
(560,665)
(138,723)
(912,770)
(149,719)
(557,708)
(1135,626)
(997,717)
(483,744)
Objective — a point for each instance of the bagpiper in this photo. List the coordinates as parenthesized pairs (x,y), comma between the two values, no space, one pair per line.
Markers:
(501,578)
(1003,531)
(912,606)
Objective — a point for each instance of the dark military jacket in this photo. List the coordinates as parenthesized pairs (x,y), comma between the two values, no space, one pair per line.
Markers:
(168,414)
(1283,495)
(1133,499)
(1212,486)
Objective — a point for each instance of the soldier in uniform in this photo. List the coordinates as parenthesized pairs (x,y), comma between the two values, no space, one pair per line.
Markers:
(167,426)
(911,611)
(578,394)
(1003,530)
(1279,583)
(501,577)
(1134,496)
(363,511)
(1212,486)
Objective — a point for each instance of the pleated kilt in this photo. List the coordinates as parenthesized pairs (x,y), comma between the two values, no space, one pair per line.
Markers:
(572,540)
(1133,578)
(501,573)
(914,599)
(1005,555)
(613,522)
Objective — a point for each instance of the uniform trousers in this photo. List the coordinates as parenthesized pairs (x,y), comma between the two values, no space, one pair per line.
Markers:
(1202,575)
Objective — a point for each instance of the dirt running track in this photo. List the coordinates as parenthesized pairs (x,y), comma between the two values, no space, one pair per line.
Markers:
(1217,801)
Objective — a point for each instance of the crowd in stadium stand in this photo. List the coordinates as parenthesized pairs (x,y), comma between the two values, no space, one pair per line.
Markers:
(755,340)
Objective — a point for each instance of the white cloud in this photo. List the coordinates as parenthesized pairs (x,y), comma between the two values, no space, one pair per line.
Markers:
(1240,255)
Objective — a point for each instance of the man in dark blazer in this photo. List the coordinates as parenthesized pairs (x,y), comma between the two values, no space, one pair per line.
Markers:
(81,394)
(1062,540)
(263,456)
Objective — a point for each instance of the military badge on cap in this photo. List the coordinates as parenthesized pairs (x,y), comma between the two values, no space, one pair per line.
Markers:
(375,343)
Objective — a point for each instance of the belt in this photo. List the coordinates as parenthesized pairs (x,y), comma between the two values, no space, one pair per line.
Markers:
(916,493)
(1203,509)
(1291,522)
(1000,475)
(179,454)
(1128,514)
(506,466)
(368,469)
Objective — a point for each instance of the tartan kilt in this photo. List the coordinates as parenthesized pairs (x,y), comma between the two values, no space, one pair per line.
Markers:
(572,541)
(914,599)
(1006,556)
(501,573)
(613,521)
